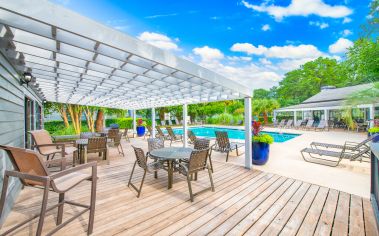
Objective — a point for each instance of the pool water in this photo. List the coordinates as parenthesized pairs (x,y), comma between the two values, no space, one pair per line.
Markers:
(209,132)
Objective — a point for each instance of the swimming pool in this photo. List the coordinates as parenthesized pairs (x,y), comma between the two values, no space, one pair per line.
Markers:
(209,132)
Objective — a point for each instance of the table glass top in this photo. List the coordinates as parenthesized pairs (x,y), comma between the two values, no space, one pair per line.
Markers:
(172,153)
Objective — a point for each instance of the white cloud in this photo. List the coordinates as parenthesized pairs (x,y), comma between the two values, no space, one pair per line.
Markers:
(159,40)
(161,15)
(346,32)
(301,8)
(288,51)
(236,58)
(208,54)
(346,20)
(321,25)
(292,64)
(340,46)
(266,27)
(265,61)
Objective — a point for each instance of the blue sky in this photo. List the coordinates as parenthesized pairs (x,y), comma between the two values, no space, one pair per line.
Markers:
(253,42)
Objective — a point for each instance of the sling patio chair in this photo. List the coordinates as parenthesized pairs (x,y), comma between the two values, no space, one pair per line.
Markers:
(97,145)
(172,136)
(224,145)
(117,143)
(197,162)
(153,144)
(191,136)
(297,124)
(201,144)
(288,124)
(148,132)
(112,133)
(361,126)
(30,169)
(333,158)
(177,121)
(309,125)
(348,144)
(321,126)
(46,147)
(161,134)
(163,123)
(169,122)
(126,135)
(141,161)
(281,123)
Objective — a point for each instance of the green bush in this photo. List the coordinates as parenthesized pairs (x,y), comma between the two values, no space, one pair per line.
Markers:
(373,130)
(263,138)
(57,128)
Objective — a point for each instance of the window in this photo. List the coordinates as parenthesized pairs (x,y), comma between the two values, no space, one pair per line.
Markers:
(33,119)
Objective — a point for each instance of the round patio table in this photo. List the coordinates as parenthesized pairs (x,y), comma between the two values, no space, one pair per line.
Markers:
(171,155)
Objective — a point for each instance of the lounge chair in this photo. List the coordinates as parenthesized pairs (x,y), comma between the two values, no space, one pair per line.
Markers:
(177,121)
(46,147)
(191,136)
(196,163)
(309,125)
(315,155)
(30,169)
(169,122)
(281,124)
(240,122)
(161,134)
(361,126)
(321,126)
(289,124)
(224,145)
(142,163)
(297,124)
(163,122)
(172,136)
(348,144)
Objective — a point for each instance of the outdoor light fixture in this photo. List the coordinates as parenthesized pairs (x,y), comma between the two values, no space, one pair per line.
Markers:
(27,78)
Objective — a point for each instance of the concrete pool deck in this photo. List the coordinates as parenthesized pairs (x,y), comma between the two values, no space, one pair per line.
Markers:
(286,160)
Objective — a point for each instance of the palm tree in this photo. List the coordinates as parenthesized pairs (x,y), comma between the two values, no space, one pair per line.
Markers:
(264,106)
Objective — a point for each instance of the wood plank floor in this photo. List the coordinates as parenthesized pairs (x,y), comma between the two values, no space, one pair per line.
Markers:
(244,203)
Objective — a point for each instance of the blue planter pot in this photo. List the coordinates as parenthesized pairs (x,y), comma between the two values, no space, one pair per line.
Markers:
(376,139)
(260,153)
(140,131)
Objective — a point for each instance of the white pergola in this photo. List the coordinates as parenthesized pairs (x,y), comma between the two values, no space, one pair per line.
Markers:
(79,61)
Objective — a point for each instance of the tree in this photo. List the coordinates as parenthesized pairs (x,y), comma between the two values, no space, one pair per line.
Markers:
(90,113)
(99,123)
(76,115)
(264,106)
(372,26)
(60,108)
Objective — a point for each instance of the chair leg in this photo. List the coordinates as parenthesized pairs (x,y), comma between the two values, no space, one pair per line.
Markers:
(93,201)
(195,176)
(106,154)
(43,209)
(122,150)
(60,209)
(237,150)
(140,188)
(131,174)
(211,179)
(3,193)
(227,156)
(190,187)
(210,162)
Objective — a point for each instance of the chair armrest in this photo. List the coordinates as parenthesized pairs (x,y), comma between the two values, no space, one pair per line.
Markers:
(92,164)
(27,176)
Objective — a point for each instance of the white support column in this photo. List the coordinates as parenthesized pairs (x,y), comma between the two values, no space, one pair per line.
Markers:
(152,122)
(185,126)
(134,122)
(326,117)
(275,116)
(248,134)
(372,115)
(302,114)
(294,117)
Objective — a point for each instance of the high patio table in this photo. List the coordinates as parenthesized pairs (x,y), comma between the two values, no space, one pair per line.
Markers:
(171,155)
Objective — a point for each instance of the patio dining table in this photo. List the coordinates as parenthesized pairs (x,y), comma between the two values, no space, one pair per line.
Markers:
(171,155)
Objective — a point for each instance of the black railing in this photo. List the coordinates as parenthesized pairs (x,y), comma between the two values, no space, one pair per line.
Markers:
(375,180)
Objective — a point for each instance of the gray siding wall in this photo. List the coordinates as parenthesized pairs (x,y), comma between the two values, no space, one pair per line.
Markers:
(12,123)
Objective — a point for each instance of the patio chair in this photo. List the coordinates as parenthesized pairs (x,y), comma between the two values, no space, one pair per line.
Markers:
(98,145)
(161,134)
(240,122)
(309,125)
(361,126)
(196,163)
(297,124)
(30,169)
(177,121)
(281,124)
(321,126)
(348,144)
(163,122)
(125,135)
(117,143)
(191,137)
(172,136)
(141,160)
(201,144)
(148,132)
(46,147)
(86,135)
(353,154)
(224,145)
(289,124)
(152,144)
(169,122)
(112,133)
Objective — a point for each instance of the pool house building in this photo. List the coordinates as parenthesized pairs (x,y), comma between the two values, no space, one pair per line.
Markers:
(329,105)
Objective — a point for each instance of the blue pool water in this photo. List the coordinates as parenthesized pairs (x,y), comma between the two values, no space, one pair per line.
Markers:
(209,132)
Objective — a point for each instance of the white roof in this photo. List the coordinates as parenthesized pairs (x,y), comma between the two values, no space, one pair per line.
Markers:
(77,60)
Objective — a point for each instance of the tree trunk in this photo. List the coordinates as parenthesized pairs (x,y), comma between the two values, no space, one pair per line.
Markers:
(89,116)
(76,113)
(63,113)
(99,121)
(265,117)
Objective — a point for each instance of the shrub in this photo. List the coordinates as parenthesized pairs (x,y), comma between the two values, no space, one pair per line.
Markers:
(263,138)
(373,130)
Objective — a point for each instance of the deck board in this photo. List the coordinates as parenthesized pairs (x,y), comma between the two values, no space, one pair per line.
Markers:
(247,202)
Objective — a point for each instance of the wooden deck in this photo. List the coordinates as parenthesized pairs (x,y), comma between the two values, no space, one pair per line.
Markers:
(245,202)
